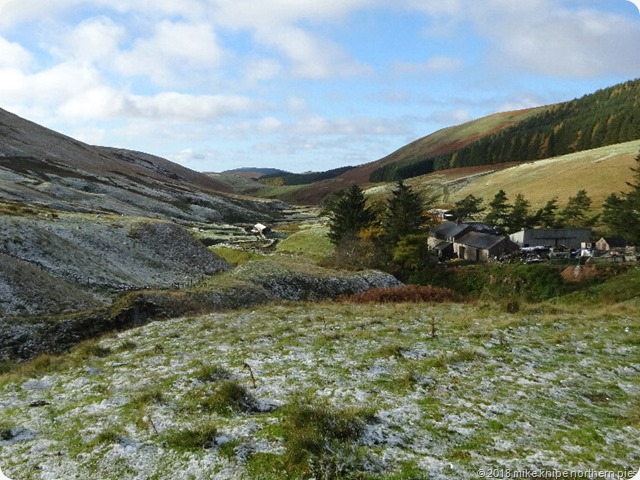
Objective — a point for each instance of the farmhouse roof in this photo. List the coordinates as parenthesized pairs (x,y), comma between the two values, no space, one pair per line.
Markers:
(442,245)
(482,228)
(448,230)
(483,241)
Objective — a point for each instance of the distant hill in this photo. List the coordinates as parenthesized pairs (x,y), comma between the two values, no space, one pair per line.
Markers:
(254,172)
(606,117)
(286,178)
(446,140)
(40,166)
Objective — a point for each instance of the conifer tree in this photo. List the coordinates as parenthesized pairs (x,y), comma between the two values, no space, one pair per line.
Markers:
(519,217)
(621,214)
(348,215)
(576,213)
(614,215)
(404,214)
(467,208)
(499,210)
(546,216)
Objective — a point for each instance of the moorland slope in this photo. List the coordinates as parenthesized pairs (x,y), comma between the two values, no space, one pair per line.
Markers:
(43,167)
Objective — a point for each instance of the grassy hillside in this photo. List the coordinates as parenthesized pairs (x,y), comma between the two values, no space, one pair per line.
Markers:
(600,171)
(442,141)
(606,117)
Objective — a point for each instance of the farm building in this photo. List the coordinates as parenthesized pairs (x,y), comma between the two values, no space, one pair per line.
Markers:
(449,231)
(611,244)
(443,238)
(481,247)
(552,237)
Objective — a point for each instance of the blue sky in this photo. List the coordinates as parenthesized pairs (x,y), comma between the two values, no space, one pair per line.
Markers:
(299,84)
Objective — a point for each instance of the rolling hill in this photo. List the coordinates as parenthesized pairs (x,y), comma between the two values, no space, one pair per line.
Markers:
(606,117)
(42,167)
(443,141)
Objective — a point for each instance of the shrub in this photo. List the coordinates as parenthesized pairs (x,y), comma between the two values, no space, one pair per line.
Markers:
(6,431)
(153,394)
(230,397)
(212,373)
(320,441)
(92,349)
(202,436)
(403,293)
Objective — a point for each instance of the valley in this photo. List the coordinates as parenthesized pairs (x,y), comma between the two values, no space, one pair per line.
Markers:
(157,322)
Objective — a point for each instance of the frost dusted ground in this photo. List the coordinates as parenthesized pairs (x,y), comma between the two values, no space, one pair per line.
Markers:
(546,388)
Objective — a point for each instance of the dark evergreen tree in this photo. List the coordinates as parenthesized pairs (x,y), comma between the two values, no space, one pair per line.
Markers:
(614,216)
(576,212)
(621,214)
(632,206)
(468,208)
(499,209)
(519,216)
(546,216)
(404,215)
(348,215)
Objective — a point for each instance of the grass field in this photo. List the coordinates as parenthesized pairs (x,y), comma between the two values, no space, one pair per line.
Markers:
(335,390)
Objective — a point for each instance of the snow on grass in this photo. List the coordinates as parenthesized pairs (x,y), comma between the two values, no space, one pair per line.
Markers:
(541,389)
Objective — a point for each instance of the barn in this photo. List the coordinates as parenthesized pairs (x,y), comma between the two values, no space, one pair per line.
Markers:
(481,247)
(552,237)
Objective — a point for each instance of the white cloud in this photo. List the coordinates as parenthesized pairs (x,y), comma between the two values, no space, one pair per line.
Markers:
(172,52)
(90,135)
(566,43)
(48,87)
(269,125)
(95,39)
(258,70)
(434,65)
(311,56)
(172,105)
(267,14)
(550,37)
(188,156)
(13,55)
(98,102)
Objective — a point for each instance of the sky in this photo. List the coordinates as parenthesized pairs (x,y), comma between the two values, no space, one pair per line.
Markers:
(301,85)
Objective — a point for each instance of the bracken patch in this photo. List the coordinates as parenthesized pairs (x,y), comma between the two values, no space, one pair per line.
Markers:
(403,293)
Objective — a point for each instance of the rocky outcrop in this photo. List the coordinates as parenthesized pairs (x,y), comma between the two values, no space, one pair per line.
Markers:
(103,252)
(293,280)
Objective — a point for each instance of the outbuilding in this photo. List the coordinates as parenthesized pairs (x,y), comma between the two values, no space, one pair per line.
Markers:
(611,244)
(481,247)
(571,238)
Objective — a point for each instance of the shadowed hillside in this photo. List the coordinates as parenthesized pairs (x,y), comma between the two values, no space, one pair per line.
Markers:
(443,141)
(40,166)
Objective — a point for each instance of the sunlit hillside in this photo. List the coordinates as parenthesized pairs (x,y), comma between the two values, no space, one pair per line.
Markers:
(600,172)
